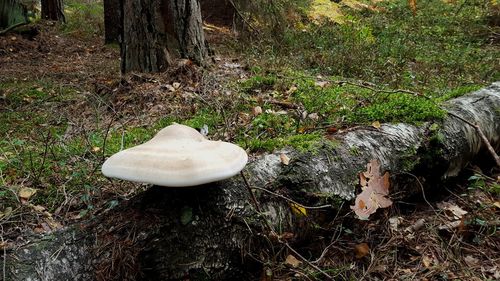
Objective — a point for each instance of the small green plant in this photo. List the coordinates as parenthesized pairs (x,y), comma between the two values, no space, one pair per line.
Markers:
(478,181)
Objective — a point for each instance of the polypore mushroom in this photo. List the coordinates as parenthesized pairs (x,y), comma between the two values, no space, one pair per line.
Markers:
(177,156)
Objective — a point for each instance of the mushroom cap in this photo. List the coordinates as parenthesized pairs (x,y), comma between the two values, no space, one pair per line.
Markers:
(177,156)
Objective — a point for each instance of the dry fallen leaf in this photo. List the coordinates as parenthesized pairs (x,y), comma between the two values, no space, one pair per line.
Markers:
(375,189)
(292,261)
(376,124)
(298,210)
(25,193)
(394,223)
(257,111)
(284,159)
(361,250)
(38,208)
(471,261)
(6,213)
(426,261)
(459,224)
(452,210)
(291,90)
(321,84)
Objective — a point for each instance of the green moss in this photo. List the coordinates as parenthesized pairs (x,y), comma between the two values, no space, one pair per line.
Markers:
(205,116)
(459,91)
(399,108)
(354,151)
(304,143)
(258,82)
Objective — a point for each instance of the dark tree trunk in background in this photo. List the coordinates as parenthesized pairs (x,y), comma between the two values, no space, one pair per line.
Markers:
(155,31)
(112,21)
(53,10)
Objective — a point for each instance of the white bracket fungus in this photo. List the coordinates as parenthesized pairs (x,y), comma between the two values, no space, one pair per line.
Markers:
(177,156)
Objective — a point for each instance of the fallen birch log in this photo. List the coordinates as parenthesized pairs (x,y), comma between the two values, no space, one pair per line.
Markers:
(206,232)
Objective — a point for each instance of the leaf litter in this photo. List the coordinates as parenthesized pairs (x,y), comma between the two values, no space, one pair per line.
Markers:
(375,189)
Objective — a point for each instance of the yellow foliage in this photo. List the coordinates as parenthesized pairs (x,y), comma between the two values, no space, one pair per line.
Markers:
(328,10)
(298,210)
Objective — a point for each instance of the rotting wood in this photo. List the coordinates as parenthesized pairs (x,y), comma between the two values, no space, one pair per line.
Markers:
(205,232)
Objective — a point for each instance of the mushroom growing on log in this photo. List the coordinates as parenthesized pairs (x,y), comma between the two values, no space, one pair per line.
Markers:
(200,234)
(177,156)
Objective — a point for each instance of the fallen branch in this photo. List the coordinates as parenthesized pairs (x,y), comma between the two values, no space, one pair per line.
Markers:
(485,140)
(2,32)
(242,17)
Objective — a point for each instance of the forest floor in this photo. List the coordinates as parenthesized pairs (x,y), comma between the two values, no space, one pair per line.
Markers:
(64,108)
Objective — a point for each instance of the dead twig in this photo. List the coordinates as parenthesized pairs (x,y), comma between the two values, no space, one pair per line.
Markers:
(482,136)
(360,84)
(2,32)
(4,247)
(242,17)
(307,261)
(293,201)
(254,200)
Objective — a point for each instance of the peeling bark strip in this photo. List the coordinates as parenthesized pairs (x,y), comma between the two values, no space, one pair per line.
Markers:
(203,233)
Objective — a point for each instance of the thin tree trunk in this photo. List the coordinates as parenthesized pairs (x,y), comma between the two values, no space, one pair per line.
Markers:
(207,232)
(53,10)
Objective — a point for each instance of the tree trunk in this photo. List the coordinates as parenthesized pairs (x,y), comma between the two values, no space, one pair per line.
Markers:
(188,26)
(206,232)
(11,13)
(156,31)
(53,10)
(112,21)
(144,46)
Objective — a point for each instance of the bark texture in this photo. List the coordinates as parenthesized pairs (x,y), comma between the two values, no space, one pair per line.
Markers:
(203,233)
(144,41)
(156,31)
(188,26)
(11,13)
(53,10)
(112,21)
